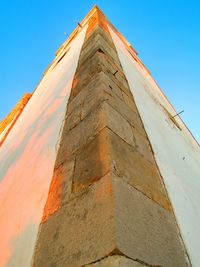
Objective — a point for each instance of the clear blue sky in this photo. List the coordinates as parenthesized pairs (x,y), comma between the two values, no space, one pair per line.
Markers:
(166,33)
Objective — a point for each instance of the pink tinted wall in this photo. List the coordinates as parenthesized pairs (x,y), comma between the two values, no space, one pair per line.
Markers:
(27,159)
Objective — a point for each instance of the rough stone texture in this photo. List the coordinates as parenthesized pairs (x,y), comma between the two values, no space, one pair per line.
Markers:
(60,188)
(99,41)
(108,193)
(143,146)
(88,99)
(104,115)
(81,232)
(98,30)
(101,86)
(67,172)
(129,115)
(96,86)
(116,261)
(109,217)
(94,65)
(109,152)
(129,101)
(144,230)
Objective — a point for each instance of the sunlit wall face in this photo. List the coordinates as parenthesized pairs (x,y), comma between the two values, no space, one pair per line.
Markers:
(176,152)
(28,154)
(27,159)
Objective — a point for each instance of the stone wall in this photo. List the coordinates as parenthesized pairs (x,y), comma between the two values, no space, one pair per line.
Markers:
(110,205)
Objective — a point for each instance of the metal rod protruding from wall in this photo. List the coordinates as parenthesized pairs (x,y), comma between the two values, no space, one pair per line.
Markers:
(115,72)
(178,114)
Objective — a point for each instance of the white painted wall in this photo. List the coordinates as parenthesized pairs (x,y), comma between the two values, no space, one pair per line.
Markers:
(177,153)
(27,159)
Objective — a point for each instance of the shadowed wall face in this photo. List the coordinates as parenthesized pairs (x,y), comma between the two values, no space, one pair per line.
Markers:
(27,159)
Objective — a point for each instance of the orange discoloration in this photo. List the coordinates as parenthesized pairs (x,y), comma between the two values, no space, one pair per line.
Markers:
(18,108)
(55,194)
(12,117)
(75,82)
(27,159)
(97,19)
(104,190)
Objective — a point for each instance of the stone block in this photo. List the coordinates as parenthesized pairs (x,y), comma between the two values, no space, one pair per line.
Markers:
(112,85)
(98,43)
(115,122)
(85,131)
(94,65)
(99,85)
(116,261)
(142,146)
(85,72)
(137,170)
(92,163)
(94,97)
(93,85)
(79,136)
(68,173)
(109,152)
(145,231)
(97,19)
(132,117)
(82,231)
(60,188)
(98,31)
(109,92)
(118,78)
(128,99)
(107,218)
(73,118)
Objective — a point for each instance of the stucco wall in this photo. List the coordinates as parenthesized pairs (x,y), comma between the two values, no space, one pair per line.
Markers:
(27,160)
(176,152)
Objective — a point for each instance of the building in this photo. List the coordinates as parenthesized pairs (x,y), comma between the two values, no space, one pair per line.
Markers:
(96,168)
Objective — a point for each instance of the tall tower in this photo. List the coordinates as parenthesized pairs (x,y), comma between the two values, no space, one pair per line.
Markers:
(95,169)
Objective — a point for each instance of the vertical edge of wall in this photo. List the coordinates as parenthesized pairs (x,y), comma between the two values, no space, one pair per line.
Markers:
(106,197)
(132,89)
